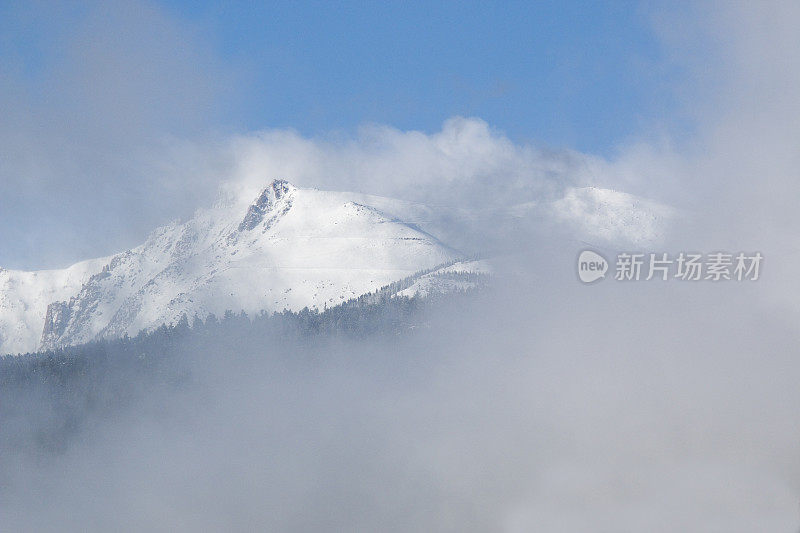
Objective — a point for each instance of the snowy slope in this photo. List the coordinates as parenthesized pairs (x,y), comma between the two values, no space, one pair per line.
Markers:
(604,216)
(24,297)
(612,216)
(289,249)
(459,276)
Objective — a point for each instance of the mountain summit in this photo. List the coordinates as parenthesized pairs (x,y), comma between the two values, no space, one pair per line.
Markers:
(292,248)
(284,248)
(280,190)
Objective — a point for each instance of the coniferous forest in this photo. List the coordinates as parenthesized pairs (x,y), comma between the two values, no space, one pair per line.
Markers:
(48,398)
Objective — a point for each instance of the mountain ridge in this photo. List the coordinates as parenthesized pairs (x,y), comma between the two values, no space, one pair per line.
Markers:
(292,248)
(284,248)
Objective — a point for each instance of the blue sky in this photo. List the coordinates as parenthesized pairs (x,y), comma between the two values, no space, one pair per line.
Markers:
(584,75)
(96,95)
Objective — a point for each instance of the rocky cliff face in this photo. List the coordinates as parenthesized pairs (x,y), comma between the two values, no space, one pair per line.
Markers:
(266,204)
(24,299)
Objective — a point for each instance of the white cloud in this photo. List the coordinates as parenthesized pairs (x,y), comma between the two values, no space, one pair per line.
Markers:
(88,104)
(465,164)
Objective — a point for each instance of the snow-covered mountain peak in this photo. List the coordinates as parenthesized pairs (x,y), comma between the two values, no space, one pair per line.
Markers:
(274,248)
(288,249)
(274,199)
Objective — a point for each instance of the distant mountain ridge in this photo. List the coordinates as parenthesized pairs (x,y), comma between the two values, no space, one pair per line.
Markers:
(287,248)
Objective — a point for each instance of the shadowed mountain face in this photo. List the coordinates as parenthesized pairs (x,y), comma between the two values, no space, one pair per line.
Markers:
(265,204)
